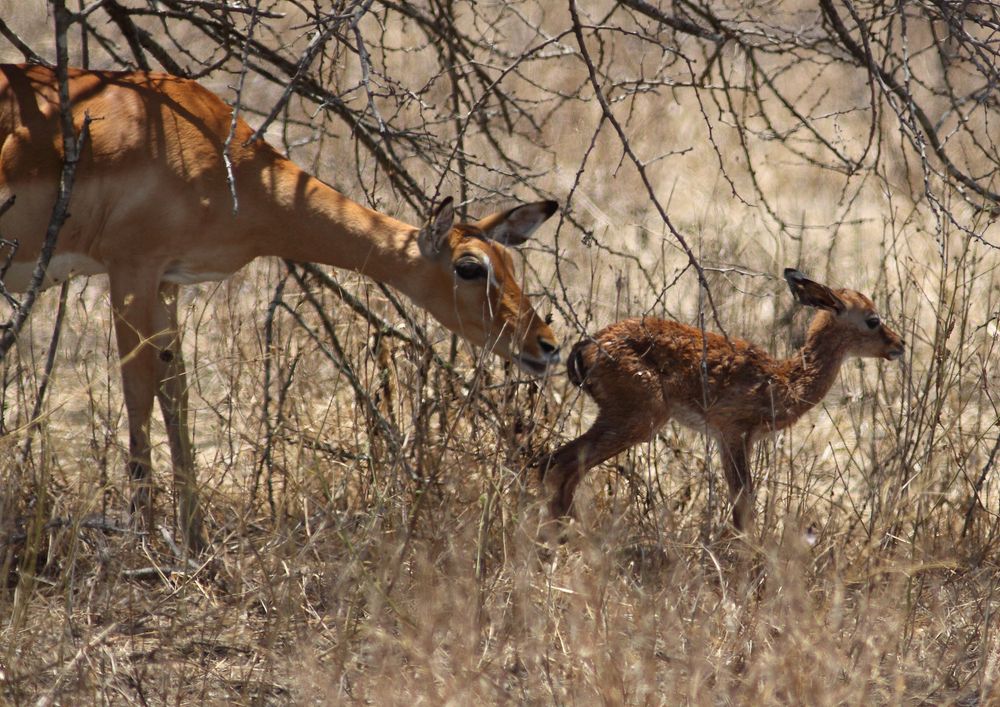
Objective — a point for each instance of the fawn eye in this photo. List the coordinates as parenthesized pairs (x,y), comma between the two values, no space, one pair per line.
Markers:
(469,268)
(873,321)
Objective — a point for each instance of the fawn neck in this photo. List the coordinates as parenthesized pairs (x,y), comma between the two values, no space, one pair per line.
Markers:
(806,377)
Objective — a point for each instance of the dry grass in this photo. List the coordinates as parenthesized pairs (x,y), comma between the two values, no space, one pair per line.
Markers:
(335,576)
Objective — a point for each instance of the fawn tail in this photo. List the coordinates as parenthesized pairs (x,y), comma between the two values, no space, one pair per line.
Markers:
(578,363)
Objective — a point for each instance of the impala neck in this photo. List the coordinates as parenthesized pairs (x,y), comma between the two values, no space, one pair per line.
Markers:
(810,373)
(301,218)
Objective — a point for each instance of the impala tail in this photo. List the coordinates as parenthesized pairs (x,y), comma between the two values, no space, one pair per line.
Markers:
(579,362)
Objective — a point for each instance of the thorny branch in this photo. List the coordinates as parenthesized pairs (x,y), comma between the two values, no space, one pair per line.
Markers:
(745,66)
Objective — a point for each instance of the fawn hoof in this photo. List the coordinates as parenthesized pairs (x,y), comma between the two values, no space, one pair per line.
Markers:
(554,524)
(141,508)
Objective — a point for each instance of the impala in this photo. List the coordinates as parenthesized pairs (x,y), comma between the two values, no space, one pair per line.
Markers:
(644,372)
(152,208)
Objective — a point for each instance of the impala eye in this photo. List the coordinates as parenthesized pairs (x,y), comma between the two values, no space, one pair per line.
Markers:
(470,268)
(873,321)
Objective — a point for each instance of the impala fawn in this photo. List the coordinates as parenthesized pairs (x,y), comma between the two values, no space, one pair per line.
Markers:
(643,372)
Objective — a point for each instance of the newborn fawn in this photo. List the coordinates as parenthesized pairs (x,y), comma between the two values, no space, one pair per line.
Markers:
(643,372)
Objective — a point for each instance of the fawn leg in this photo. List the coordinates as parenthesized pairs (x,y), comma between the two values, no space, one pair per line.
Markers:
(613,432)
(736,461)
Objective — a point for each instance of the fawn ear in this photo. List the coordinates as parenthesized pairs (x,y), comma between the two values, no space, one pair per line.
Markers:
(812,294)
(435,231)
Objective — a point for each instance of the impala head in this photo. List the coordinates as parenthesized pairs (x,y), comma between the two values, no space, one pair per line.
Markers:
(476,292)
(856,321)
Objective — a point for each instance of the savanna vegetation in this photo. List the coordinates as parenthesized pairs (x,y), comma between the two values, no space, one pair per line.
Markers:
(367,478)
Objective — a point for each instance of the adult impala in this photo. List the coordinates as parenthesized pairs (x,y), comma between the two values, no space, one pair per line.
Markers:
(152,208)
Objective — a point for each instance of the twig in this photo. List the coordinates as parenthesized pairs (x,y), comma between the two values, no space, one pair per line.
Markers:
(266,461)
(975,501)
(29,54)
(365,60)
(235,118)
(50,364)
(308,56)
(155,572)
(384,328)
(640,168)
(228,7)
(677,23)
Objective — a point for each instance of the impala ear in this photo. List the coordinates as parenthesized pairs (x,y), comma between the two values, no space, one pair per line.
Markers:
(515,226)
(435,232)
(813,294)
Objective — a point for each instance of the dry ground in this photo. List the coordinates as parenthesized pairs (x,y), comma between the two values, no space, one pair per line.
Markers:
(343,568)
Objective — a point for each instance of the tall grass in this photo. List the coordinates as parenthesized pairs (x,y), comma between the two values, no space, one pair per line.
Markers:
(391,558)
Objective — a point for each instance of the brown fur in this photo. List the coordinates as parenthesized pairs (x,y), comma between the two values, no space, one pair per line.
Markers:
(644,372)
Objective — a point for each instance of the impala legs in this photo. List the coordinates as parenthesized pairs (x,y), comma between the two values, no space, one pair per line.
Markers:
(172,394)
(613,432)
(149,347)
